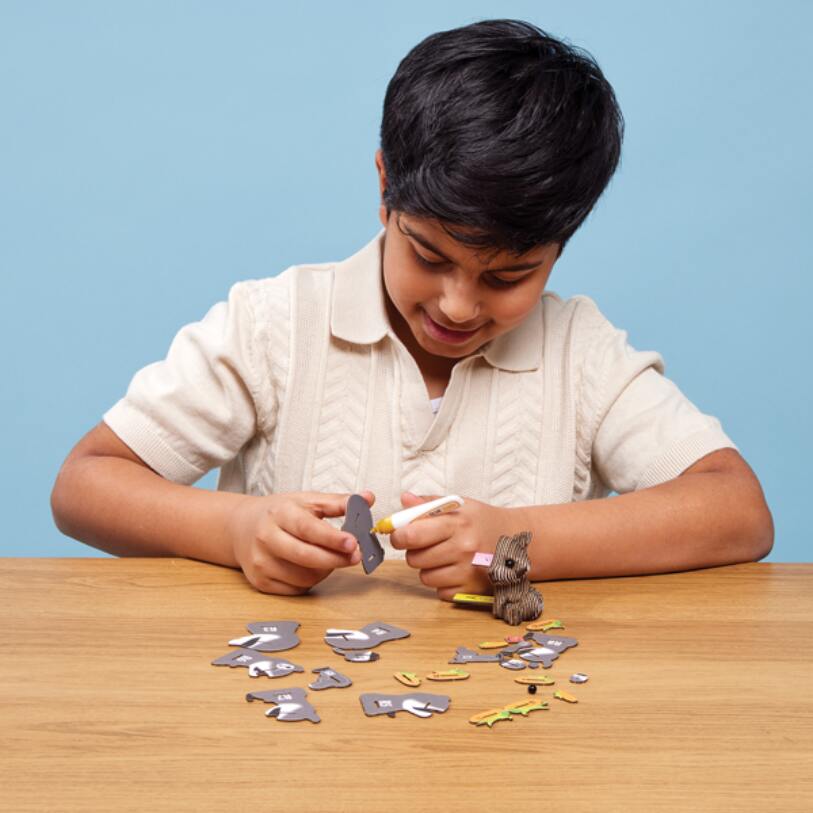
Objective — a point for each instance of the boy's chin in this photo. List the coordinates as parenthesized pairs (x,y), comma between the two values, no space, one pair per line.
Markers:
(449,351)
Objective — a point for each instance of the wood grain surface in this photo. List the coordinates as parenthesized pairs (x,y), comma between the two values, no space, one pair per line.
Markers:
(700,695)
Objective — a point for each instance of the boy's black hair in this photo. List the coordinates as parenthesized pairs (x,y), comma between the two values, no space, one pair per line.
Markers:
(501,129)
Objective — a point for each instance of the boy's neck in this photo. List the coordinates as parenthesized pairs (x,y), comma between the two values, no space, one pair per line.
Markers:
(436,370)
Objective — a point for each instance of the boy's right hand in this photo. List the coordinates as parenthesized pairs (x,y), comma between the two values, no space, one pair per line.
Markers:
(283,544)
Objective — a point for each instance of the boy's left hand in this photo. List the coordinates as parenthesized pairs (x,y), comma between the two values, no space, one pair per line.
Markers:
(442,547)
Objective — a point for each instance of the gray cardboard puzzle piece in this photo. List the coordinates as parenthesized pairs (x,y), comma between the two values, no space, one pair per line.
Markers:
(548,648)
(512,649)
(290,705)
(558,642)
(465,655)
(269,636)
(358,656)
(369,636)
(257,663)
(513,663)
(359,522)
(329,679)
(418,703)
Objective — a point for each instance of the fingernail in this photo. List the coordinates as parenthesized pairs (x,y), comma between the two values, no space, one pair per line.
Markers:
(350,544)
(356,557)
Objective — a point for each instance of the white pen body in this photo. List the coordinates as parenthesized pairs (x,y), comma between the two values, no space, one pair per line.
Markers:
(428,509)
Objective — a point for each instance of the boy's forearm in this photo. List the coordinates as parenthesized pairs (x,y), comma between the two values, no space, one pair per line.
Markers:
(126,509)
(694,521)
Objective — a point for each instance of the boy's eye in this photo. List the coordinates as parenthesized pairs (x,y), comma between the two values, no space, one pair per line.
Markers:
(498,282)
(493,281)
(423,261)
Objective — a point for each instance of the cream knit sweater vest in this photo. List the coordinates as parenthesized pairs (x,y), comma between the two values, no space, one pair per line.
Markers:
(269,388)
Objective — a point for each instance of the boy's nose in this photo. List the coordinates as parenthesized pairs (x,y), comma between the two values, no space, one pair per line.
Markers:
(460,305)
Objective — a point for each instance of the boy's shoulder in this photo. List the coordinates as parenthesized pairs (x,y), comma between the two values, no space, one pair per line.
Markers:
(578,316)
(282,280)
(346,294)
(576,329)
(263,293)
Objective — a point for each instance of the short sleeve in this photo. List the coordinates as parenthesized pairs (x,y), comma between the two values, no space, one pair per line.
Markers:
(643,430)
(195,410)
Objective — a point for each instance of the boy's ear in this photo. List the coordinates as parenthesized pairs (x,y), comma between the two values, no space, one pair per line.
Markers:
(382,174)
(382,185)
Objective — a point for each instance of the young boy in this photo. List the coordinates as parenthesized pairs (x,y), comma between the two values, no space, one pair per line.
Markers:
(433,361)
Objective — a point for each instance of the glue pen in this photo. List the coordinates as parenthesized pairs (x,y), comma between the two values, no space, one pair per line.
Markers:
(427,509)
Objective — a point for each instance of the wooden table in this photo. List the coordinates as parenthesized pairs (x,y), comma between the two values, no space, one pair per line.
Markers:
(699,696)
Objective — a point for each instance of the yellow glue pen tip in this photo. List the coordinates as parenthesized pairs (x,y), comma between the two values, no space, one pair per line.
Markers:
(383,526)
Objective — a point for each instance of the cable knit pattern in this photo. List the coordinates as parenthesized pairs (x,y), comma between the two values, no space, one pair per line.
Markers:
(518,438)
(587,385)
(425,473)
(273,302)
(341,422)
(298,382)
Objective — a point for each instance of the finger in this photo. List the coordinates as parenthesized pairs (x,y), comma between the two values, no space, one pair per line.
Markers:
(270,574)
(300,577)
(314,557)
(332,505)
(440,555)
(267,566)
(323,504)
(284,575)
(299,522)
(423,532)
(408,499)
(442,578)
(276,588)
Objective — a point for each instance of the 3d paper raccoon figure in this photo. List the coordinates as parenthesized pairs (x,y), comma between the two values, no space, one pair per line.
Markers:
(515,600)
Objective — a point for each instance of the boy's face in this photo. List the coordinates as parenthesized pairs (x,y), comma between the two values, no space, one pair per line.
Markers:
(450,299)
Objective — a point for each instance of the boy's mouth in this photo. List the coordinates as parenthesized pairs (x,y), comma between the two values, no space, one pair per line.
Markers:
(445,334)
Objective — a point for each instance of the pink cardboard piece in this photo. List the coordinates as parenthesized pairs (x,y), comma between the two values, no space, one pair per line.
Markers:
(482,559)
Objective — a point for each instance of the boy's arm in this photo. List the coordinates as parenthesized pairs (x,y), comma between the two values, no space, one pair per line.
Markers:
(713,514)
(106,496)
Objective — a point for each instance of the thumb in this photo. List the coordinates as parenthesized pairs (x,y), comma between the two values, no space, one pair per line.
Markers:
(408,499)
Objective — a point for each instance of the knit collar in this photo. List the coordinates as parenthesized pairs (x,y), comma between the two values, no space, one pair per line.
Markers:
(359,314)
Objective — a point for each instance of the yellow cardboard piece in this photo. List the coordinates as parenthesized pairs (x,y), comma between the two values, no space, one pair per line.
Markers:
(472,598)
(492,645)
(523,707)
(566,696)
(535,680)
(545,625)
(494,718)
(448,674)
(483,715)
(407,678)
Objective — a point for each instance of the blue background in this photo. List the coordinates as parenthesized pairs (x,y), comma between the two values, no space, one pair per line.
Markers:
(152,153)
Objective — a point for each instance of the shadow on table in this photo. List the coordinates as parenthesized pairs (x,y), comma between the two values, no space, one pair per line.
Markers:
(394,582)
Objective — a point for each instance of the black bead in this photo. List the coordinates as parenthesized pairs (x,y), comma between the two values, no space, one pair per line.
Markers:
(509,562)
(531,689)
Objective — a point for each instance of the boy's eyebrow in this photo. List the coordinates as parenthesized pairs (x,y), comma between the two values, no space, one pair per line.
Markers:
(427,245)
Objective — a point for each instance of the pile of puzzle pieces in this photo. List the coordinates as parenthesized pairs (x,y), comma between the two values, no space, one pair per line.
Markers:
(531,650)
